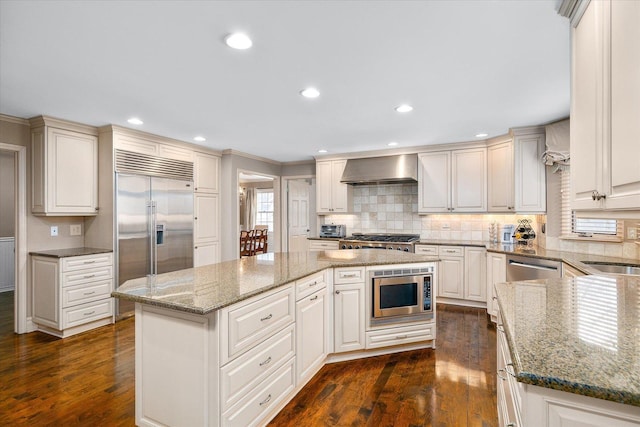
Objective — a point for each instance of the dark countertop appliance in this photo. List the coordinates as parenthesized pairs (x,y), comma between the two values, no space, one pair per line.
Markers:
(399,242)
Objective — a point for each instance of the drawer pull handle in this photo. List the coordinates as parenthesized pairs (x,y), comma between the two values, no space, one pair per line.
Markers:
(506,369)
(90,293)
(89,262)
(500,376)
(266,318)
(349,275)
(313,298)
(264,402)
(400,337)
(313,284)
(89,313)
(89,276)
(511,425)
(266,362)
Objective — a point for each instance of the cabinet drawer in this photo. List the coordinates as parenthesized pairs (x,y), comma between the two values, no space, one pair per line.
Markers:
(251,410)
(86,276)
(310,284)
(85,313)
(426,250)
(89,261)
(250,322)
(451,251)
(348,275)
(242,374)
(315,245)
(401,335)
(80,294)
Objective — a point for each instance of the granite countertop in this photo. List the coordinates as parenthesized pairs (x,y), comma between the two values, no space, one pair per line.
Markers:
(64,253)
(452,243)
(580,335)
(205,289)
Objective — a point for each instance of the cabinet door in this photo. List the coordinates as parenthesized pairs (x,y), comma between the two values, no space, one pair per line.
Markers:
(451,277)
(586,108)
(205,254)
(475,274)
(72,172)
(496,273)
(206,214)
(433,182)
(349,321)
(45,275)
(469,180)
(311,334)
(323,187)
(500,178)
(339,191)
(624,189)
(206,173)
(530,179)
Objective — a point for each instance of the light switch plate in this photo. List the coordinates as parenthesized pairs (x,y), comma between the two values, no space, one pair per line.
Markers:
(632,233)
(75,229)
(54,231)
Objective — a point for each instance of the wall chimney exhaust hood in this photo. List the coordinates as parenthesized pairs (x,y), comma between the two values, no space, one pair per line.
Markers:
(381,170)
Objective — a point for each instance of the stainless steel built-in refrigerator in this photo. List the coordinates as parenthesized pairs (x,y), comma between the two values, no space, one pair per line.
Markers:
(155,228)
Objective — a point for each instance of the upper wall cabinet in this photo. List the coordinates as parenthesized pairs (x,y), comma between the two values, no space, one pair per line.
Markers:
(64,165)
(333,197)
(517,175)
(605,107)
(452,181)
(206,169)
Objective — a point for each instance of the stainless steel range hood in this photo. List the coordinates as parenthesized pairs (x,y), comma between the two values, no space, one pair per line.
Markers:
(381,170)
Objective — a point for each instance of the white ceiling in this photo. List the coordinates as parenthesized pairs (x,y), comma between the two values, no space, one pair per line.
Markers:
(466,67)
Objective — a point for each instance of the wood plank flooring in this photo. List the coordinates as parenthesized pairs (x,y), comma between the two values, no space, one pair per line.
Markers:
(88,379)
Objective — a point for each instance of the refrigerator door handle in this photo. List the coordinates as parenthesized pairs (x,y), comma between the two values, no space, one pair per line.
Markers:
(154,236)
(151,236)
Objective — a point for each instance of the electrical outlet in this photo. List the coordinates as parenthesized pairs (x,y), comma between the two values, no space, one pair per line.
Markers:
(445,226)
(54,231)
(75,229)
(632,233)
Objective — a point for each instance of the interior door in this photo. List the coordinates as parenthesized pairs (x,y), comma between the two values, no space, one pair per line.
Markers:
(174,223)
(298,215)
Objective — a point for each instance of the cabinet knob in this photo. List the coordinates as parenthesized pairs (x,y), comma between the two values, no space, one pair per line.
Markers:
(195,217)
(337,292)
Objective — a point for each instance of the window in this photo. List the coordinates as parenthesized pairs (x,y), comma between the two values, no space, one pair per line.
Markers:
(264,202)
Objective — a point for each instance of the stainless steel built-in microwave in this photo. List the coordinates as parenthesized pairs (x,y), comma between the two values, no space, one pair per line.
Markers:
(401,296)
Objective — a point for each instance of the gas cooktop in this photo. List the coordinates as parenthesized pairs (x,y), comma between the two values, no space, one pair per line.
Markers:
(384,237)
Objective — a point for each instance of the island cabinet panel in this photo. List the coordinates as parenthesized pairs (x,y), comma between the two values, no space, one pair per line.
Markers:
(312,329)
(176,368)
(496,273)
(249,322)
(241,375)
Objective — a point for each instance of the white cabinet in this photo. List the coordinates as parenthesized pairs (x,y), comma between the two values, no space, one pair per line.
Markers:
(206,229)
(64,165)
(332,196)
(72,295)
(206,173)
(475,264)
(323,245)
(605,106)
(517,175)
(311,334)
(451,272)
(205,253)
(453,181)
(496,273)
(349,308)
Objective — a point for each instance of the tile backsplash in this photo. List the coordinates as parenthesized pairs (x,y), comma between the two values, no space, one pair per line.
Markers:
(394,209)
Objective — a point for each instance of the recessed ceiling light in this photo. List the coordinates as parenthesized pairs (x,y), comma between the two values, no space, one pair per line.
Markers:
(404,108)
(310,92)
(322,151)
(238,41)
(481,135)
(200,138)
(392,144)
(135,121)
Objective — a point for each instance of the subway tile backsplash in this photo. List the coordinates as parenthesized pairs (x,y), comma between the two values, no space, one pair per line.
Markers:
(393,208)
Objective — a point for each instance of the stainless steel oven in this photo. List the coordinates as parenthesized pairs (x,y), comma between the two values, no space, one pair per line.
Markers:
(401,295)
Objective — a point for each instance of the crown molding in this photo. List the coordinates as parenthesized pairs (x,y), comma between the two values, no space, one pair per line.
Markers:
(232,152)
(12,119)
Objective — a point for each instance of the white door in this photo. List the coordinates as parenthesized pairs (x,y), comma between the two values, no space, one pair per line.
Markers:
(298,215)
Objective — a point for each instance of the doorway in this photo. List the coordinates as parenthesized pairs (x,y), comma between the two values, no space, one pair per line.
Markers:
(13,235)
(257,207)
(299,219)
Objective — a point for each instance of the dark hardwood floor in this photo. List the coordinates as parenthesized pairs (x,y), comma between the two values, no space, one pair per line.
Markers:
(88,379)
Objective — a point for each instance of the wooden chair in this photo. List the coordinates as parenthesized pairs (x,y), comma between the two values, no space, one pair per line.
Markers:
(247,243)
(260,241)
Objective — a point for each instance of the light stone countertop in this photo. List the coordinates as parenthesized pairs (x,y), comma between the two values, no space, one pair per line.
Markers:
(205,289)
(580,335)
(64,253)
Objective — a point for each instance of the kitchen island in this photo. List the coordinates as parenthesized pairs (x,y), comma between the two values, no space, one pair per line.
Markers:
(232,343)
(569,351)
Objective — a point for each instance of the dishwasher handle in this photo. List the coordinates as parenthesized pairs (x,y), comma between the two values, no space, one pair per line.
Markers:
(535,267)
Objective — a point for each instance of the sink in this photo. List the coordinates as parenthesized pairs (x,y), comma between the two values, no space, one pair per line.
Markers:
(614,268)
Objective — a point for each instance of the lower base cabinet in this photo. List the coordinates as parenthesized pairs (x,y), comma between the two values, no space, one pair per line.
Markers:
(496,273)
(350,317)
(311,336)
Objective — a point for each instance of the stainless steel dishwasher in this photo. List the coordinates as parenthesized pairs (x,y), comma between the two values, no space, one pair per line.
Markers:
(528,268)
